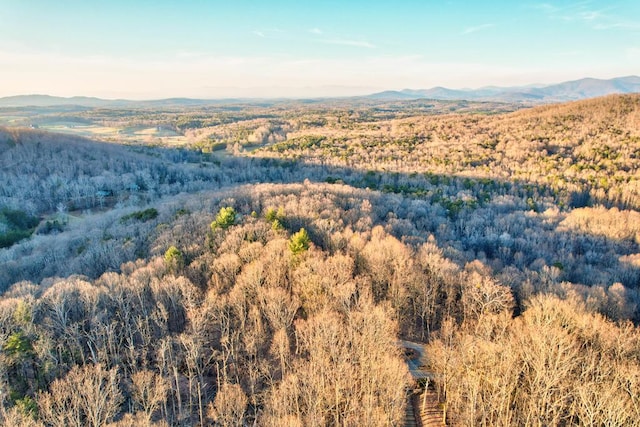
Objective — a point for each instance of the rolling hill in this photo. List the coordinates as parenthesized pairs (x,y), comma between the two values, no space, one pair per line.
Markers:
(187,287)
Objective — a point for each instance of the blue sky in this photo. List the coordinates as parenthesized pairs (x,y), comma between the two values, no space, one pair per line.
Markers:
(152,49)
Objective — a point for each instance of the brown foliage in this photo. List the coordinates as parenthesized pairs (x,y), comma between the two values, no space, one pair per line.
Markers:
(554,365)
(87,395)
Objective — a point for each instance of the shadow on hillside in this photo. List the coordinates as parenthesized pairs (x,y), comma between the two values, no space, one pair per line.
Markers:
(502,223)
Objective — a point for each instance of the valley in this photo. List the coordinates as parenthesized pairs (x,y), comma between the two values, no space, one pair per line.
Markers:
(257,262)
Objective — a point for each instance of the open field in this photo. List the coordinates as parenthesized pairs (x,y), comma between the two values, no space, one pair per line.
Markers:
(129,135)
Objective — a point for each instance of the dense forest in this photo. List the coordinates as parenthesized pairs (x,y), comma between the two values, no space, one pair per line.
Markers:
(264,272)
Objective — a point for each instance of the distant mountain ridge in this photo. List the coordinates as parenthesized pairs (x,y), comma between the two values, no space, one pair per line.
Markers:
(48,101)
(566,91)
(92,102)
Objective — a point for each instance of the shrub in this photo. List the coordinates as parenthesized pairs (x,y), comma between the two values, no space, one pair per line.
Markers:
(17,224)
(299,242)
(18,345)
(9,238)
(226,218)
(27,406)
(276,225)
(143,216)
(18,219)
(173,258)
(275,217)
(272,214)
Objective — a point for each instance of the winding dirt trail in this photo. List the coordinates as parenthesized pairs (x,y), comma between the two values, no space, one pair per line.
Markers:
(423,408)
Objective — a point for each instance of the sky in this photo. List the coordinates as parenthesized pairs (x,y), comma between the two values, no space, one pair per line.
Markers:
(209,49)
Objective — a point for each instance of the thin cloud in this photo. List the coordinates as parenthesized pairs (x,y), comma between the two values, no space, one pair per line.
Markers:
(582,14)
(475,29)
(551,9)
(590,15)
(346,42)
(602,19)
(620,25)
(315,31)
(269,33)
(545,7)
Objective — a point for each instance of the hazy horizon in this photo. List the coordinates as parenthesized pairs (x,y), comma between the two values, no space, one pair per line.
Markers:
(196,49)
(292,93)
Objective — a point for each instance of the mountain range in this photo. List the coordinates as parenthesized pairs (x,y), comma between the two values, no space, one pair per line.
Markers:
(560,92)
(92,102)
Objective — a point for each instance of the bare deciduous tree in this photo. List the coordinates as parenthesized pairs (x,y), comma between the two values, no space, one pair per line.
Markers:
(88,395)
(229,405)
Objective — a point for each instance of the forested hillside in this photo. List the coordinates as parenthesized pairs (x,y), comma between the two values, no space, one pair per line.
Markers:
(578,153)
(269,284)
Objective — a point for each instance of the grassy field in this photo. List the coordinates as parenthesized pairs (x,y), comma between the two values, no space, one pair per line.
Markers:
(128,135)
